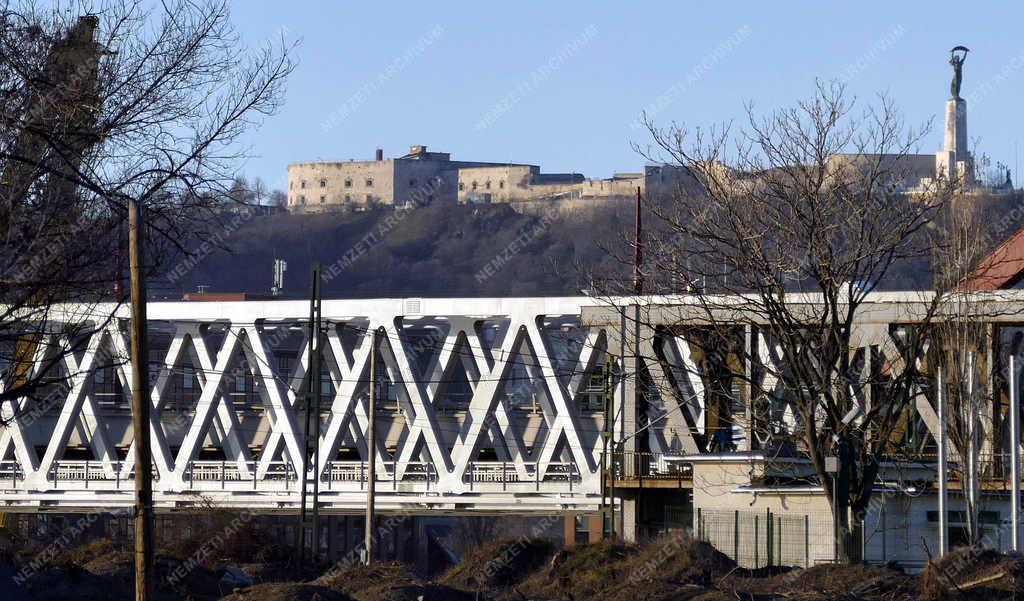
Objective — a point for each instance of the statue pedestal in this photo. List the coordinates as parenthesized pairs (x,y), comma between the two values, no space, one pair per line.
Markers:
(956,128)
(954,162)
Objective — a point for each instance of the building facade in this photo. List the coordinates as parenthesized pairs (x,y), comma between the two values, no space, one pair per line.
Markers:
(421,177)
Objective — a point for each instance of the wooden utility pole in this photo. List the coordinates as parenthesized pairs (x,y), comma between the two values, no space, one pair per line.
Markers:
(140,410)
(309,519)
(940,402)
(1014,457)
(638,255)
(371,453)
(608,436)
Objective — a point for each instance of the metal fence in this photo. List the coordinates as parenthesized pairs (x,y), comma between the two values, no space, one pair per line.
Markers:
(758,539)
(630,465)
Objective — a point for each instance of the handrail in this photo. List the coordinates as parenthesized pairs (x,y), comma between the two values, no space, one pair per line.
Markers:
(630,465)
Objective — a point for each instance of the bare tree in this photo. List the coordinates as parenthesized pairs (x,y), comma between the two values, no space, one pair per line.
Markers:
(961,337)
(278,198)
(776,237)
(101,104)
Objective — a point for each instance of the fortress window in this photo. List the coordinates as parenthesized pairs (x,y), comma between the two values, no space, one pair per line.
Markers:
(323,183)
(302,184)
(474,185)
(302,198)
(488,185)
(348,198)
(501,185)
(462,186)
(369,182)
(348,182)
(323,199)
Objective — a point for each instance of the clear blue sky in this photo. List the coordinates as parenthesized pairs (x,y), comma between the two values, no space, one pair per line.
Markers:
(576,115)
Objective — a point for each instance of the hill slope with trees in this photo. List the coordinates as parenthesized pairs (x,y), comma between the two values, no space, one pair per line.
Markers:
(434,251)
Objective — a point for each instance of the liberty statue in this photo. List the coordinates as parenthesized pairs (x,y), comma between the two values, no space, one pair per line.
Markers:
(957,56)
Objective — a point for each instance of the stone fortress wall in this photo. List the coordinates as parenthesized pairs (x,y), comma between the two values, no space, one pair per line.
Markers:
(422,177)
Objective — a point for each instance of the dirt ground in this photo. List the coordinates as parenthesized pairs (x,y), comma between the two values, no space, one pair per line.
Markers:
(667,569)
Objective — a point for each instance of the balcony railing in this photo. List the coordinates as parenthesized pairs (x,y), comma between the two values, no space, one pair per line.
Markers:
(629,465)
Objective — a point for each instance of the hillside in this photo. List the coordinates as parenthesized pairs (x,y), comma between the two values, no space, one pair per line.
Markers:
(458,250)
(433,251)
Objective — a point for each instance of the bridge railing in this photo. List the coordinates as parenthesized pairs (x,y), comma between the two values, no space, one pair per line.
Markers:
(355,471)
(10,471)
(229,474)
(92,470)
(505,473)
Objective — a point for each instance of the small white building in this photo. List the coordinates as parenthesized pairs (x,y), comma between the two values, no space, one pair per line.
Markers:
(764,510)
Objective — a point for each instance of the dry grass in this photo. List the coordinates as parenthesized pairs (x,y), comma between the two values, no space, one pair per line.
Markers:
(499,564)
(286,591)
(662,569)
(951,577)
(387,582)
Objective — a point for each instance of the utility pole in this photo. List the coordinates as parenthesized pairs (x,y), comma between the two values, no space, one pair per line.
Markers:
(309,519)
(140,409)
(371,453)
(608,436)
(940,400)
(1014,456)
(972,451)
(638,255)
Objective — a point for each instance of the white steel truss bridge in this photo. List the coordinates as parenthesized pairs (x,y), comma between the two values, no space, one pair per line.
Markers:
(477,410)
(486,405)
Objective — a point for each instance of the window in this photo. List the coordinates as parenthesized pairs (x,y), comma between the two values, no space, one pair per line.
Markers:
(323,183)
(187,377)
(302,198)
(348,182)
(285,365)
(108,390)
(369,198)
(326,385)
(591,396)
(581,529)
(462,186)
(501,185)
(185,389)
(474,185)
(323,199)
(302,184)
(488,185)
(244,394)
(348,198)
(369,182)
